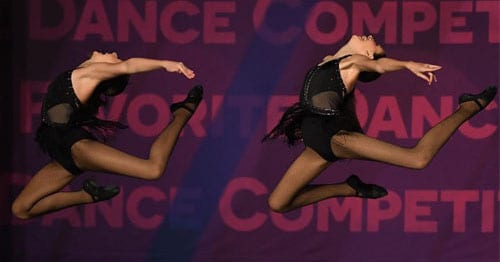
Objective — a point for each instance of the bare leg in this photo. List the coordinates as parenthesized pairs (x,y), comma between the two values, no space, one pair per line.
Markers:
(41,195)
(293,190)
(357,145)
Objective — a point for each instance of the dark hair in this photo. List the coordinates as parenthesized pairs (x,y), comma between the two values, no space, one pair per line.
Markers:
(113,86)
(371,76)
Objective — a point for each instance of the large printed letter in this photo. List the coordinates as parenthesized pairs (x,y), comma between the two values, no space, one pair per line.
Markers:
(225,204)
(449,21)
(133,207)
(128,15)
(166,22)
(94,20)
(263,29)
(341,23)
(212,22)
(459,198)
(387,17)
(39,31)
(376,214)
(493,10)
(413,210)
(411,25)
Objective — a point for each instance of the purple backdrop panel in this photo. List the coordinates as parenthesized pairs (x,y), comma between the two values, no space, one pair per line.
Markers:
(251,57)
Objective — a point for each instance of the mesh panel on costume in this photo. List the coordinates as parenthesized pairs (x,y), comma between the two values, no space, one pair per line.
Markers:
(324,91)
(324,102)
(60,113)
(327,100)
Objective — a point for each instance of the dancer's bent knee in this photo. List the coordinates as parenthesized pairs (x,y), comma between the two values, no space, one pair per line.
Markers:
(20,210)
(277,205)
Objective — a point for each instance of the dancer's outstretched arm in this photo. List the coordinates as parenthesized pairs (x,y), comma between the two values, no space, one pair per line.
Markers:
(100,67)
(103,71)
(383,65)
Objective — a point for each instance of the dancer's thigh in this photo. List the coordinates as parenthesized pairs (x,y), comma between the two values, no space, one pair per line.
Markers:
(303,170)
(353,145)
(48,180)
(92,155)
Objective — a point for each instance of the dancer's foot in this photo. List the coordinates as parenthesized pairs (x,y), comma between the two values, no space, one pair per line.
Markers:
(365,190)
(477,102)
(191,102)
(99,193)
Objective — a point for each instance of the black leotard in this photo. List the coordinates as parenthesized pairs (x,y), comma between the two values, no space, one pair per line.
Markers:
(65,121)
(325,108)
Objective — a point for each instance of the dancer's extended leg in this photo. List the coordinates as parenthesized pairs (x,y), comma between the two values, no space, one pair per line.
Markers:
(95,156)
(357,145)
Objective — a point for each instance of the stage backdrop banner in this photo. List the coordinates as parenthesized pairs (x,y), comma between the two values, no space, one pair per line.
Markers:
(252,57)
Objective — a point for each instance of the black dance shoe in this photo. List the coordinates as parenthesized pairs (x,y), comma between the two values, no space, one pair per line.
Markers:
(192,100)
(485,97)
(365,190)
(100,193)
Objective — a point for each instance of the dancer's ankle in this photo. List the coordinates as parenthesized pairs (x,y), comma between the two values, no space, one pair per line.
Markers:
(474,103)
(182,114)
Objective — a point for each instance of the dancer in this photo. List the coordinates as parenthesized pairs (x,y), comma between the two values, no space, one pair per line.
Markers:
(325,119)
(74,137)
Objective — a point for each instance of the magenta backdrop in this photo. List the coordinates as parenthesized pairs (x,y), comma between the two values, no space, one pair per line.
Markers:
(251,57)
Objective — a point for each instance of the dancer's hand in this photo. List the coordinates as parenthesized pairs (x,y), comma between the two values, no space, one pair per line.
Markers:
(424,71)
(180,68)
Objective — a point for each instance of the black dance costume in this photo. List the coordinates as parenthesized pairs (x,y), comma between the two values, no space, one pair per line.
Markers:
(65,121)
(324,109)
